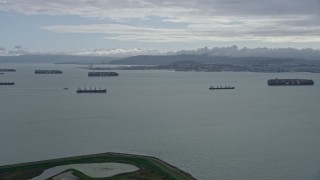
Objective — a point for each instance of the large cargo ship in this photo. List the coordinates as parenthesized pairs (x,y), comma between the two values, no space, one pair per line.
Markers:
(7,70)
(95,90)
(91,74)
(6,83)
(48,72)
(290,82)
(221,87)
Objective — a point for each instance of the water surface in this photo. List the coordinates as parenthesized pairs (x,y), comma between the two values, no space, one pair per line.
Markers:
(252,132)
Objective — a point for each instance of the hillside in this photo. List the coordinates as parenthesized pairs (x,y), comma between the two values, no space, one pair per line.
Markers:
(215,63)
(204,59)
(56,59)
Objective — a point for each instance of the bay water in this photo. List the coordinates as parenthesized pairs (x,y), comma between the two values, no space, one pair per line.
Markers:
(252,132)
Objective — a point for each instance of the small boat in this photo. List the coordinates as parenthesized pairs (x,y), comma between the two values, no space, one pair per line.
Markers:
(65,88)
(221,87)
(95,90)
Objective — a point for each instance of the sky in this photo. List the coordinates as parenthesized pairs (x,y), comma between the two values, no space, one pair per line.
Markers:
(94,25)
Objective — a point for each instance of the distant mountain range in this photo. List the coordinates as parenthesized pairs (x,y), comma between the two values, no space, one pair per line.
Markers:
(204,59)
(181,62)
(57,59)
(220,63)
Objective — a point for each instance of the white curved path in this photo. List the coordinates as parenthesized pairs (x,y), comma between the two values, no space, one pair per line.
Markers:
(95,170)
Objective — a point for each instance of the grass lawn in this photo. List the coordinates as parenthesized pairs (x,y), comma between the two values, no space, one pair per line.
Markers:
(149,167)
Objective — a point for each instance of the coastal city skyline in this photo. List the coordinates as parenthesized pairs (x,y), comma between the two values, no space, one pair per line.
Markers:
(65,26)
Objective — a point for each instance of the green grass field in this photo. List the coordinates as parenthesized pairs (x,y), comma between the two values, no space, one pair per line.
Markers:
(149,167)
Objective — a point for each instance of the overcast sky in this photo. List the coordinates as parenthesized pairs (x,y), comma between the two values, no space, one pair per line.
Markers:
(73,25)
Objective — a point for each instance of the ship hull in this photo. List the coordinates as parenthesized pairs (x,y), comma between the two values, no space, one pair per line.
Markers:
(101,74)
(92,91)
(7,83)
(290,82)
(221,88)
(48,72)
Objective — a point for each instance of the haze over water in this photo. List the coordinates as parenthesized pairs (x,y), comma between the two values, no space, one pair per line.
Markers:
(252,132)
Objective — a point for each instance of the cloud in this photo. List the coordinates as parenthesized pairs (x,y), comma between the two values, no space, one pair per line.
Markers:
(198,32)
(125,32)
(19,50)
(205,20)
(234,51)
(142,8)
(115,52)
(15,51)
(18,47)
(3,51)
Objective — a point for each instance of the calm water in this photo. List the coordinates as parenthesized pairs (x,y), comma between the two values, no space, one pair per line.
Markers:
(252,132)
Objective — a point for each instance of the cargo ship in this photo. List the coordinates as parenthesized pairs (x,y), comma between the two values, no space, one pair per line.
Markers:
(221,87)
(48,72)
(95,90)
(290,82)
(7,70)
(6,83)
(92,74)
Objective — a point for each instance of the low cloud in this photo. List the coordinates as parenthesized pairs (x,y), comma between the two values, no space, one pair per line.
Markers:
(15,51)
(19,50)
(115,52)
(234,51)
(18,47)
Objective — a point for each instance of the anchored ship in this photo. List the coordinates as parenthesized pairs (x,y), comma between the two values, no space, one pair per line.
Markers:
(7,70)
(91,74)
(290,82)
(95,90)
(48,72)
(6,83)
(221,87)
